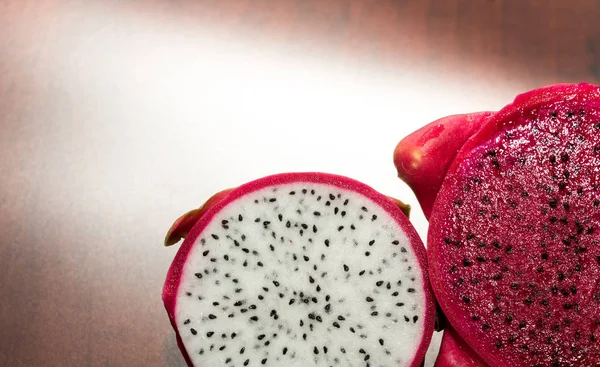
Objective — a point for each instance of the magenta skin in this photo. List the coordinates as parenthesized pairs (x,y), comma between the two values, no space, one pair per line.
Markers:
(565,117)
(454,352)
(423,157)
(174,274)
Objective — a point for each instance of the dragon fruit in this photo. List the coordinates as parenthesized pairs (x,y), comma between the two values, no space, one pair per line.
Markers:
(299,269)
(513,245)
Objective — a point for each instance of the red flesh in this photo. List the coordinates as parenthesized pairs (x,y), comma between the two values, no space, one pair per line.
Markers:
(423,157)
(223,198)
(456,220)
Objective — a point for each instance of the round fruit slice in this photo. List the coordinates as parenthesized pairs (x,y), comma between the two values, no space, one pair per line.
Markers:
(301,269)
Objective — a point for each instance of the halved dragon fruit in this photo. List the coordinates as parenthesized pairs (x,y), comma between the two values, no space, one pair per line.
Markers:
(300,269)
(514,246)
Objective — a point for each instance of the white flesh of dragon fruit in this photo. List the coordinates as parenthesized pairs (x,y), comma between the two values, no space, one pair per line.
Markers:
(304,274)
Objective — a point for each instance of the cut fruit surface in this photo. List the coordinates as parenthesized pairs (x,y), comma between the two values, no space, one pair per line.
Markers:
(301,269)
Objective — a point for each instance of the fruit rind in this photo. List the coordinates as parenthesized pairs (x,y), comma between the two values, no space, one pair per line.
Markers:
(423,157)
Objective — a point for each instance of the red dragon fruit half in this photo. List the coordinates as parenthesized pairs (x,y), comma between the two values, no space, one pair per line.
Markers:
(299,269)
(513,243)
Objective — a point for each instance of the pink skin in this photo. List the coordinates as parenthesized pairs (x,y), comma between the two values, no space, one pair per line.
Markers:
(527,101)
(214,205)
(423,157)
(454,352)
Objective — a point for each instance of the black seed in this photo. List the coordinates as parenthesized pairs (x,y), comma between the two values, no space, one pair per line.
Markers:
(466,299)
(212,317)
(193,331)
(254,318)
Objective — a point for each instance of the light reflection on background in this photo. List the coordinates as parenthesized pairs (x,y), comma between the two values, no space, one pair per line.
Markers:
(117,118)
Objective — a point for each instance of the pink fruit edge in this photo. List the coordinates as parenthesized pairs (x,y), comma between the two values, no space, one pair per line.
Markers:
(175,270)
